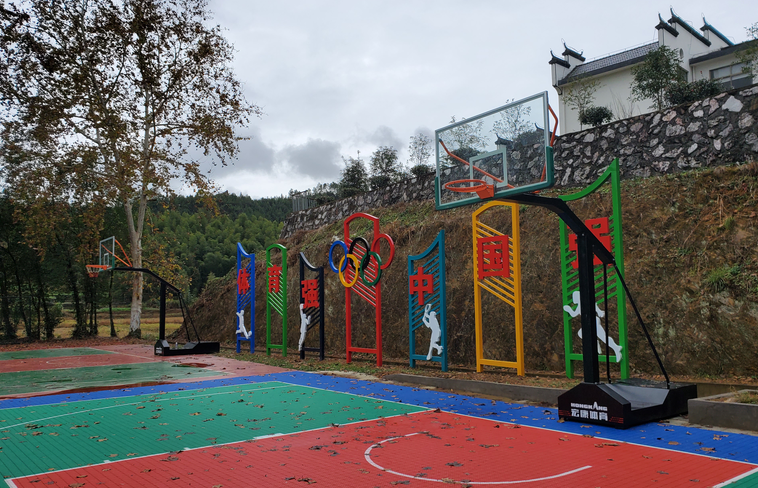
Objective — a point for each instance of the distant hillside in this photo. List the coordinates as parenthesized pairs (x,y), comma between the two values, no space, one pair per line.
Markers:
(274,209)
(690,243)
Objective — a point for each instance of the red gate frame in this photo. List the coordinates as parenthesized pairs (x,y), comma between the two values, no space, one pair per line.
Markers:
(372,294)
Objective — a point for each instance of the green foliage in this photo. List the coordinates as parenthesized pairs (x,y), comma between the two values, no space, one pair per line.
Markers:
(722,278)
(385,167)
(682,92)
(419,150)
(595,116)
(655,75)
(354,178)
(580,95)
(749,56)
(421,170)
(274,209)
(206,245)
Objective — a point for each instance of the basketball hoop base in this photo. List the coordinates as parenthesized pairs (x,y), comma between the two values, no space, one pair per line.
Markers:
(163,348)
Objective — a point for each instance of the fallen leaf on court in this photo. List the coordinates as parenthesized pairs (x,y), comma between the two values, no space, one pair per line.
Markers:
(76,485)
(113,455)
(706,449)
(673,443)
(195,413)
(102,440)
(82,476)
(220,414)
(146,470)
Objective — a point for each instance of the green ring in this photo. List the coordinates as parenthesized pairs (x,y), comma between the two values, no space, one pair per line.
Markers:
(364,263)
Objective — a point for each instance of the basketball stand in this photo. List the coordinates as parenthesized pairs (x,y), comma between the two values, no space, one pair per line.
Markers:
(108,258)
(507,154)
(623,403)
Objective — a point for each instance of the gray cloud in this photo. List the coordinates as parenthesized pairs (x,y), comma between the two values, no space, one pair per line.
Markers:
(317,158)
(384,136)
(254,156)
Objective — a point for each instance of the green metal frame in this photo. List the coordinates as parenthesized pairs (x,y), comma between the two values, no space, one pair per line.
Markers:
(570,279)
(277,300)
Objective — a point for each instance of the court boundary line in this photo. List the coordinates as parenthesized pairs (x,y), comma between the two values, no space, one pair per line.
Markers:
(367,457)
(131,403)
(736,478)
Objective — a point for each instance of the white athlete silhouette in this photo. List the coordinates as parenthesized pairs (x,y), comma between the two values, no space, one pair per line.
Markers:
(430,320)
(304,321)
(241,324)
(575,312)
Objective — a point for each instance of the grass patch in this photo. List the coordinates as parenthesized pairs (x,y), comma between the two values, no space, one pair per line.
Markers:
(722,278)
(150,324)
(746,396)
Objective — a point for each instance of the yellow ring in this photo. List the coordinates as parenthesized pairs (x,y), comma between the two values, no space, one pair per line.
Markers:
(341,274)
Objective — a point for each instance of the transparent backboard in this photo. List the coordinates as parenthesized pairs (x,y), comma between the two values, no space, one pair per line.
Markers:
(508,148)
(107,251)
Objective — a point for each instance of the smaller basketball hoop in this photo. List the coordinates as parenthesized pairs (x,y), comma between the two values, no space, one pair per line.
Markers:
(481,188)
(93,270)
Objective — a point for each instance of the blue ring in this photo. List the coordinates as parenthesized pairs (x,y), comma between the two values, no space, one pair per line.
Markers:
(344,263)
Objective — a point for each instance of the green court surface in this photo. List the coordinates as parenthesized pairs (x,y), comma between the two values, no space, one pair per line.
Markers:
(39,439)
(68,379)
(51,353)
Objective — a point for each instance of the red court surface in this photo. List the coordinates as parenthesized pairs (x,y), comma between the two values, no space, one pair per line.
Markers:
(225,366)
(421,449)
(65,362)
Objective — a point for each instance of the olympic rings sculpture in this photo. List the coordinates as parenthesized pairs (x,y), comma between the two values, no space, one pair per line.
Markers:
(360,264)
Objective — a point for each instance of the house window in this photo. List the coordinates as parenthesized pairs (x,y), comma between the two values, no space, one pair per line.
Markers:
(732,76)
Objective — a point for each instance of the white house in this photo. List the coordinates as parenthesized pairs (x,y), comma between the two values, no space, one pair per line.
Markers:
(707,54)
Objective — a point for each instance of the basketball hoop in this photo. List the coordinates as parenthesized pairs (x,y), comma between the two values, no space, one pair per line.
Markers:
(482,188)
(93,270)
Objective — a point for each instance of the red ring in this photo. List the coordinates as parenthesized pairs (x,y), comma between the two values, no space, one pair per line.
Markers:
(375,248)
(467,189)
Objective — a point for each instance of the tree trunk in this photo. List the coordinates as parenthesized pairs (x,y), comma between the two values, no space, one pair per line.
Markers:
(9,329)
(135,240)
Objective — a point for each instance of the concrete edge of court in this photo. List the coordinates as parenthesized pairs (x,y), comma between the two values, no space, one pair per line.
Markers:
(511,392)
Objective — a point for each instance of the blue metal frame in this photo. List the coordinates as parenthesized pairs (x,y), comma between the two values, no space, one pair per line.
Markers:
(247,299)
(434,265)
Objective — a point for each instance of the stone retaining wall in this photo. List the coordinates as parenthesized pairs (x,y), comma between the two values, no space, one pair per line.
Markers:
(712,132)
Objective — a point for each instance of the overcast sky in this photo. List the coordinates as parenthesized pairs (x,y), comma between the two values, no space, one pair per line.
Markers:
(337,77)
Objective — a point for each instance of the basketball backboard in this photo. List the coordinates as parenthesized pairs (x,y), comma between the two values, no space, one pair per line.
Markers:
(507,148)
(107,251)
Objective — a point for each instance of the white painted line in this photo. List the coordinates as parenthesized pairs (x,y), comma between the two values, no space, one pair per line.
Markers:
(737,478)
(367,456)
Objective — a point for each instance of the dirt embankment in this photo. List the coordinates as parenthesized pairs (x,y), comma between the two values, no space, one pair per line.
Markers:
(691,257)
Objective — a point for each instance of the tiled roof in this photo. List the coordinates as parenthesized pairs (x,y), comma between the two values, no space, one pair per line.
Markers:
(707,26)
(608,63)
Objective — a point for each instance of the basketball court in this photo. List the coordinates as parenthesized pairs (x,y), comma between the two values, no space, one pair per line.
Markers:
(294,428)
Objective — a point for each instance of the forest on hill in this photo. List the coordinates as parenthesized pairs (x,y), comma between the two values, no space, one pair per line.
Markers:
(186,241)
(690,260)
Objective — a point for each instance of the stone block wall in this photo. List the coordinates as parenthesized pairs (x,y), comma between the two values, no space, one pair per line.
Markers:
(715,131)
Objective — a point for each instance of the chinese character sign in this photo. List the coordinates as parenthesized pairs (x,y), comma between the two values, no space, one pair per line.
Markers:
(243,281)
(420,283)
(309,293)
(311,307)
(494,258)
(599,227)
(274,278)
(276,295)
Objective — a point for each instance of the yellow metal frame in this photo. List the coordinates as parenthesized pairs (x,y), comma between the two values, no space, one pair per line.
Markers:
(506,289)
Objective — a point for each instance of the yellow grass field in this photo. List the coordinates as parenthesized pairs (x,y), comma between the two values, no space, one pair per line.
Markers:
(149,324)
